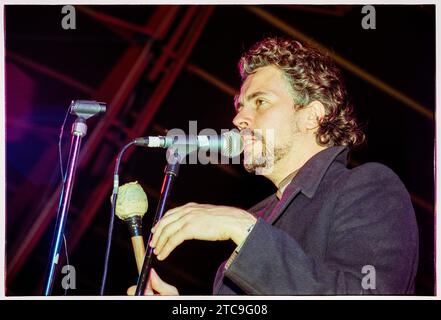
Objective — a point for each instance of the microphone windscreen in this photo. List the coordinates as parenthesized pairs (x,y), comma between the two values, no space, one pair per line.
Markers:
(131,201)
(232,144)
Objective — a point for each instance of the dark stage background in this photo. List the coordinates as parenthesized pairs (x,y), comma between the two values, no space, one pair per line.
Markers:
(158,68)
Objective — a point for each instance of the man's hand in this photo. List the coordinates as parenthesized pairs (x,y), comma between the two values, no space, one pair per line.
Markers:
(201,222)
(156,286)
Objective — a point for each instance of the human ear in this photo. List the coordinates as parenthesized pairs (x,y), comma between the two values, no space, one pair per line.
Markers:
(315,112)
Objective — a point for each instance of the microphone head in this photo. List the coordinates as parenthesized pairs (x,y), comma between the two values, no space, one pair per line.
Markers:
(131,201)
(232,144)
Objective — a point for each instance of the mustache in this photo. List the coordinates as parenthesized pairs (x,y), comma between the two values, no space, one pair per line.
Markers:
(255,134)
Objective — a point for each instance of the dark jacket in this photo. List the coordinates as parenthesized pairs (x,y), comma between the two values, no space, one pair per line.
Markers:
(335,231)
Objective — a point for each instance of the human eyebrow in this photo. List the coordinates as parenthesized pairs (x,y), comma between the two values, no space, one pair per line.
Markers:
(257,94)
(237,103)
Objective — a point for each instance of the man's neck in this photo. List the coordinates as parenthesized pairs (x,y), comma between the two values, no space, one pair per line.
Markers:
(293,161)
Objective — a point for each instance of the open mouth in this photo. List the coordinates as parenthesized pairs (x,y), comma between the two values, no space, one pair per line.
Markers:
(250,138)
(253,145)
(249,141)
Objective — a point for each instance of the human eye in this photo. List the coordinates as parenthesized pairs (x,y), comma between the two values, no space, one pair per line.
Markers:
(259,102)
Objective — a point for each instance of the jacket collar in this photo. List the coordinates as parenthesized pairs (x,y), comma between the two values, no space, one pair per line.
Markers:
(311,174)
(308,178)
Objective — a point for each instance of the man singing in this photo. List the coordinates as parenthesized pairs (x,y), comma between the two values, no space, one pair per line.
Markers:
(328,229)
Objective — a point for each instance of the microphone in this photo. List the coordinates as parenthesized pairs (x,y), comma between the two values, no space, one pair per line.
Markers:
(131,205)
(86,108)
(229,143)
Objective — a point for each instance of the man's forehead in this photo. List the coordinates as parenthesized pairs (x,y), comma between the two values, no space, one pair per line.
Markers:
(266,80)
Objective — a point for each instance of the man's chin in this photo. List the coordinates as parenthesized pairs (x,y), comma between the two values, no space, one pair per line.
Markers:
(250,168)
(259,168)
(256,161)
(252,162)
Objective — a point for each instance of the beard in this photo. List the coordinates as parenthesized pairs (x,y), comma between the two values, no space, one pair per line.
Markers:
(264,154)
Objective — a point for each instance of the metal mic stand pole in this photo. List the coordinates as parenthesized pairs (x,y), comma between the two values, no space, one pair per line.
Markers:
(79,130)
(83,109)
(170,173)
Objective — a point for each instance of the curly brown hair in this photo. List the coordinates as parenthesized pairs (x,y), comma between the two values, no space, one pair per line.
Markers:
(312,76)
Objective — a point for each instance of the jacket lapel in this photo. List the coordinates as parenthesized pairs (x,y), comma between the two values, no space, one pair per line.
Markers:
(308,179)
(288,196)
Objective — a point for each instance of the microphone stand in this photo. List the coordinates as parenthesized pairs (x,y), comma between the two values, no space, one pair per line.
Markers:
(84,110)
(170,173)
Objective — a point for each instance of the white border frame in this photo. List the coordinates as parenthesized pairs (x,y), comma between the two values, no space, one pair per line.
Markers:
(225,2)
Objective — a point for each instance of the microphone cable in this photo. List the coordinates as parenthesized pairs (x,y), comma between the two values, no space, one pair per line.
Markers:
(112,216)
(60,154)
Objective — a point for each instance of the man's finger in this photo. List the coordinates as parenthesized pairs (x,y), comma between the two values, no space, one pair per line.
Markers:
(172,242)
(189,205)
(168,232)
(149,290)
(181,209)
(162,287)
(176,209)
(131,291)
(164,222)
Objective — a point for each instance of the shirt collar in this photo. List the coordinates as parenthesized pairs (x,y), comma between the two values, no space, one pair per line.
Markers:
(285,182)
(309,176)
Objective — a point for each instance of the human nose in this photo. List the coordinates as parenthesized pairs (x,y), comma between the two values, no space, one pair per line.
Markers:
(243,119)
